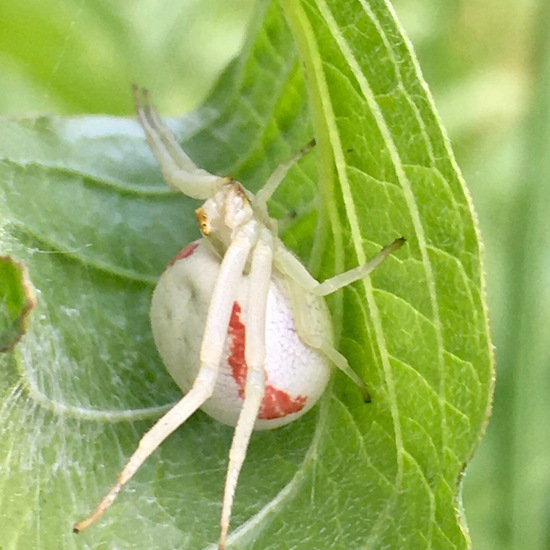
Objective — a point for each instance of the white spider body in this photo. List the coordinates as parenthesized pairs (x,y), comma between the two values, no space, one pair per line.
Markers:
(296,374)
(239,322)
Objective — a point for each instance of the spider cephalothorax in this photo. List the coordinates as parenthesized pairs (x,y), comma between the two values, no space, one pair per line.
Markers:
(225,213)
(239,322)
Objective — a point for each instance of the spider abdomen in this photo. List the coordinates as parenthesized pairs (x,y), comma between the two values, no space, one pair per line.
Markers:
(296,374)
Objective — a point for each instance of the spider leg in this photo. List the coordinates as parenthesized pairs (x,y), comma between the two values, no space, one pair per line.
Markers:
(179,171)
(260,278)
(344,279)
(270,186)
(288,264)
(302,304)
(300,279)
(174,418)
(215,332)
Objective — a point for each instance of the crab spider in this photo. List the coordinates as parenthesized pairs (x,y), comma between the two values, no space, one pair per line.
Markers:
(239,322)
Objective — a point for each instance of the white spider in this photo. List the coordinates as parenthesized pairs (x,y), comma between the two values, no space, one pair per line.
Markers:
(239,322)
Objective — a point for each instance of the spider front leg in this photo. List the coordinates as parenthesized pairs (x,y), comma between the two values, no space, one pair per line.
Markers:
(179,171)
(217,320)
(279,174)
(255,353)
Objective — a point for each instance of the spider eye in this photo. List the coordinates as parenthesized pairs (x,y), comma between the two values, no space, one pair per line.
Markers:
(203,221)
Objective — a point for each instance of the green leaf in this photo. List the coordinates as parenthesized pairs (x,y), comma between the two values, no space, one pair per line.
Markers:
(84,205)
(16,302)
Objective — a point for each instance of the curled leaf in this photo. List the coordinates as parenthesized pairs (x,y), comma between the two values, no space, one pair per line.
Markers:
(16,302)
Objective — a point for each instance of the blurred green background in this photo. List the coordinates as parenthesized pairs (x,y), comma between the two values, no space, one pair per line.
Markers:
(488,66)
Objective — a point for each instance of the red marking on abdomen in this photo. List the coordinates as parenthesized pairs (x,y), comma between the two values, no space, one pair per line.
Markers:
(277,403)
(236,359)
(184,253)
